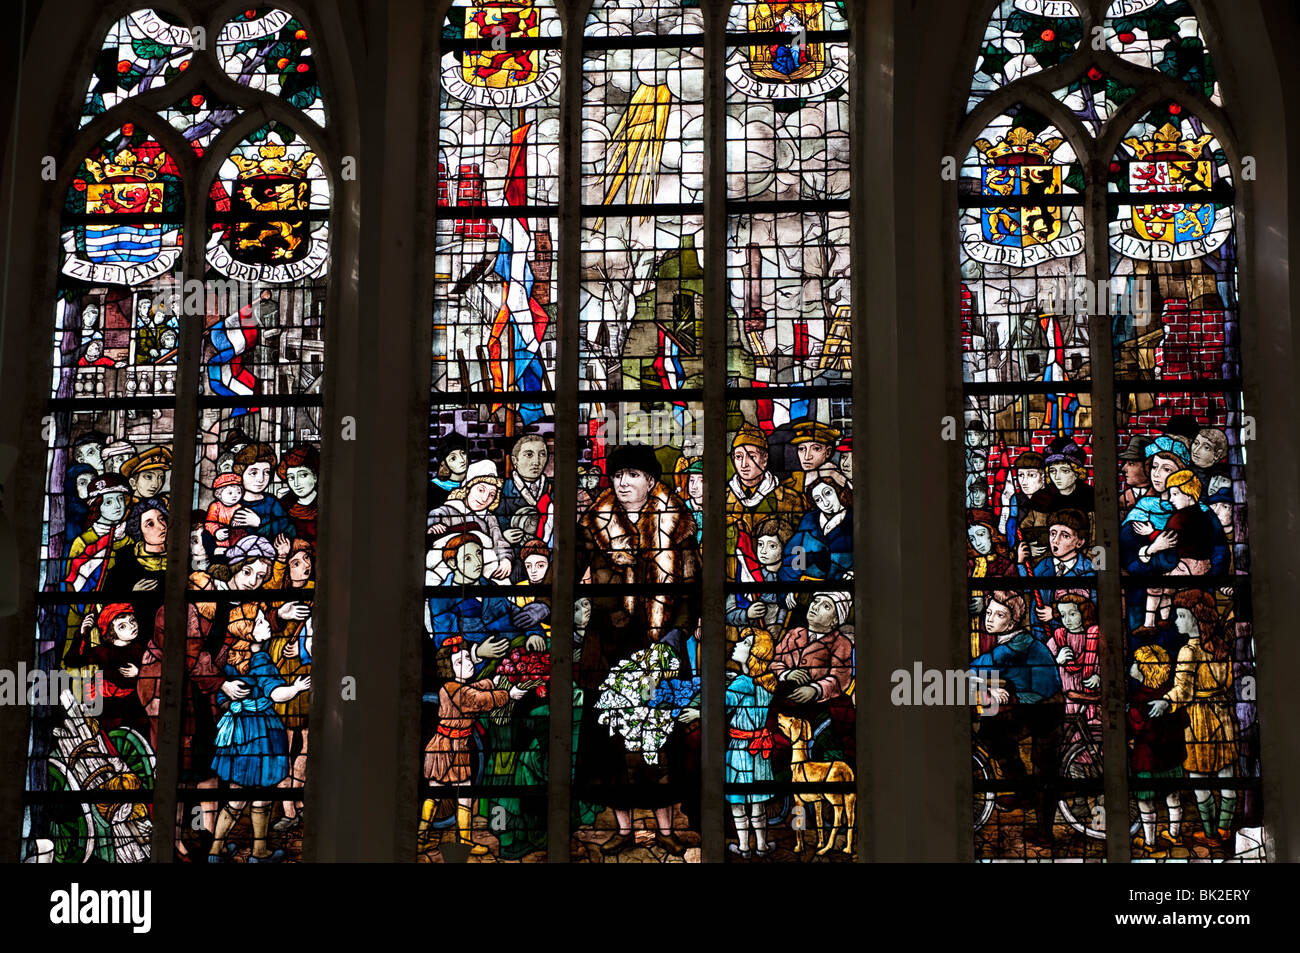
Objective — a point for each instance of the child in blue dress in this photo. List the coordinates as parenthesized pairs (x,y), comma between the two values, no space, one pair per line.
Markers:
(252,747)
(749,741)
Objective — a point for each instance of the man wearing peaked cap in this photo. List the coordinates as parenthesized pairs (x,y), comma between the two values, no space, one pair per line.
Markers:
(147,472)
(815,430)
(815,442)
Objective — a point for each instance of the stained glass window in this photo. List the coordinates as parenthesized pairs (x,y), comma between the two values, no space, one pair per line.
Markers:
(639,531)
(1036,323)
(639,685)
(789,681)
(110,429)
(145,50)
(126,286)
(1179,403)
(485,701)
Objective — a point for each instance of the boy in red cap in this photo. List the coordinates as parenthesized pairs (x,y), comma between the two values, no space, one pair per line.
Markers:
(118,655)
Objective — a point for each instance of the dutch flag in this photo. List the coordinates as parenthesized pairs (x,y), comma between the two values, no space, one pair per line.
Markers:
(520,312)
(232,339)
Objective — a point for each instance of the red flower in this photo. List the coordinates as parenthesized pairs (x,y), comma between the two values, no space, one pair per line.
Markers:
(1048,35)
(1127,37)
(196,100)
(124,66)
(1094,74)
(1175,109)
(302,67)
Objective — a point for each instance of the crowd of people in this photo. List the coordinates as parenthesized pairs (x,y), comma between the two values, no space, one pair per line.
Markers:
(636,692)
(248,659)
(1038,650)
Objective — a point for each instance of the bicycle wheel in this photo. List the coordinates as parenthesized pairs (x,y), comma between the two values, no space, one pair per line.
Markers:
(823,745)
(1086,813)
(778,810)
(136,752)
(985,799)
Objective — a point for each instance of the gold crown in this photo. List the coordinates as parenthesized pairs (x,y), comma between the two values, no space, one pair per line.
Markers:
(126,165)
(273,162)
(1169,143)
(1018,146)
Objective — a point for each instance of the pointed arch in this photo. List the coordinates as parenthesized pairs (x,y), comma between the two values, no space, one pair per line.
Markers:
(1126,365)
(1020,39)
(144,50)
(152,137)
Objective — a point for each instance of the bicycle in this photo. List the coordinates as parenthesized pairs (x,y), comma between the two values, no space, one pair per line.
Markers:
(1080,761)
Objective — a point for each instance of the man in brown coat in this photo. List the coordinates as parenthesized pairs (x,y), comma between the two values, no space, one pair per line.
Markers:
(638,534)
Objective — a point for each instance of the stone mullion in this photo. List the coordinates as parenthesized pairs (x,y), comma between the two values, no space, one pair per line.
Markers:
(1110,592)
(714,349)
(565,482)
(167,758)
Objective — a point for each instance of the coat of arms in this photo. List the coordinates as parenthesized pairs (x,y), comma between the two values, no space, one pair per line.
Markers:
(271,183)
(786,60)
(1032,226)
(1020,166)
(786,66)
(1167,162)
(124,185)
(492,74)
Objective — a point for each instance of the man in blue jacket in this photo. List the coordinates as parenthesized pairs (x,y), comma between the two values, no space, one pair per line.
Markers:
(1022,678)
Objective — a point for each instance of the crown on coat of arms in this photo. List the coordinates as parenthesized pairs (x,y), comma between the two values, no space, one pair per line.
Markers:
(1168,143)
(1018,147)
(272,161)
(126,166)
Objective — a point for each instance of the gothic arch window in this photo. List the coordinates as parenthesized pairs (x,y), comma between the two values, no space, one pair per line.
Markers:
(1105,442)
(111,431)
(167,351)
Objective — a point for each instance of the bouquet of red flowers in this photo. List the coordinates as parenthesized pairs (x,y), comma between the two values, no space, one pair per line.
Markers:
(524,666)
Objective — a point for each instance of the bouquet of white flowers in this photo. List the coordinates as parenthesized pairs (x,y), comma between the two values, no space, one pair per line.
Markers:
(624,701)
